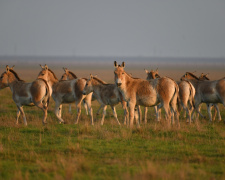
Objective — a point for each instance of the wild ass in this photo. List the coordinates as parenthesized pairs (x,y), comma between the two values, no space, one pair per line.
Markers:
(26,94)
(203,77)
(106,94)
(162,92)
(206,91)
(66,92)
(152,75)
(68,75)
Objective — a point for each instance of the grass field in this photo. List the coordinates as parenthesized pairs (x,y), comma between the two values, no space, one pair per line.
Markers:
(82,151)
(69,151)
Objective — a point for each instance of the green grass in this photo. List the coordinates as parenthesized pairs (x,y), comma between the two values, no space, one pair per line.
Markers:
(82,151)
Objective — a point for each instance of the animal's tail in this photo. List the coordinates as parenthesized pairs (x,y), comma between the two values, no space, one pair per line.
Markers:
(192,94)
(47,94)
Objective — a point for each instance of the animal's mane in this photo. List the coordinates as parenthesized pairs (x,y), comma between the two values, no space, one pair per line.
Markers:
(53,74)
(75,77)
(130,76)
(16,75)
(191,74)
(99,80)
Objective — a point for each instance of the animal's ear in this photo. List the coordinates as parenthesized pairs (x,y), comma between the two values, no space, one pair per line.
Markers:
(206,74)
(46,67)
(12,67)
(146,71)
(65,69)
(42,66)
(91,77)
(115,64)
(7,68)
(123,64)
(156,70)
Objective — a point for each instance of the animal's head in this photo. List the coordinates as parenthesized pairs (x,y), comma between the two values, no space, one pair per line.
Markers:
(5,76)
(203,76)
(68,75)
(46,74)
(65,76)
(119,74)
(152,74)
(88,87)
(188,76)
(184,77)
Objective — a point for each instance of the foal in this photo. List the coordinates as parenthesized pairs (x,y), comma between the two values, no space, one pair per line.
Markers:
(26,94)
(162,92)
(106,94)
(66,92)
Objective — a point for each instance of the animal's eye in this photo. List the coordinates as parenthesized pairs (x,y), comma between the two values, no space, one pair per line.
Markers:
(123,73)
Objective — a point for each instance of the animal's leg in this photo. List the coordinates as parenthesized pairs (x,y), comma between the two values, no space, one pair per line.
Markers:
(209,111)
(85,106)
(58,113)
(20,108)
(158,111)
(167,113)
(103,114)
(159,106)
(88,103)
(137,115)
(17,116)
(218,112)
(70,111)
(175,111)
(185,107)
(126,115)
(196,109)
(115,114)
(99,109)
(199,112)
(44,109)
(146,112)
(131,108)
(78,112)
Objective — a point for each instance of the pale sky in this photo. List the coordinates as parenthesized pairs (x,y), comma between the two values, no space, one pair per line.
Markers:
(165,28)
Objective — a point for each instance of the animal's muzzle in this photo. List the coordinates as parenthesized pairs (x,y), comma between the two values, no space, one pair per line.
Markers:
(118,84)
(84,93)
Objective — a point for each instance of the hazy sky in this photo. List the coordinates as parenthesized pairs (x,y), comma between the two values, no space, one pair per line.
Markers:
(175,28)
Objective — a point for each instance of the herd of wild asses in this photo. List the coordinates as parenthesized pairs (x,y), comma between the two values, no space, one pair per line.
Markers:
(161,92)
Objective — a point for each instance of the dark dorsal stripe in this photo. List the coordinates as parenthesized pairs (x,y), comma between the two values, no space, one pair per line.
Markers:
(99,80)
(53,74)
(131,76)
(192,75)
(16,75)
(74,76)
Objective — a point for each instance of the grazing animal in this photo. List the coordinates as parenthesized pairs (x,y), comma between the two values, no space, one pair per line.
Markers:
(152,75)
(26,94)
(203,77)
(162,92)
(66,92)
(106,94)
(206,91)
